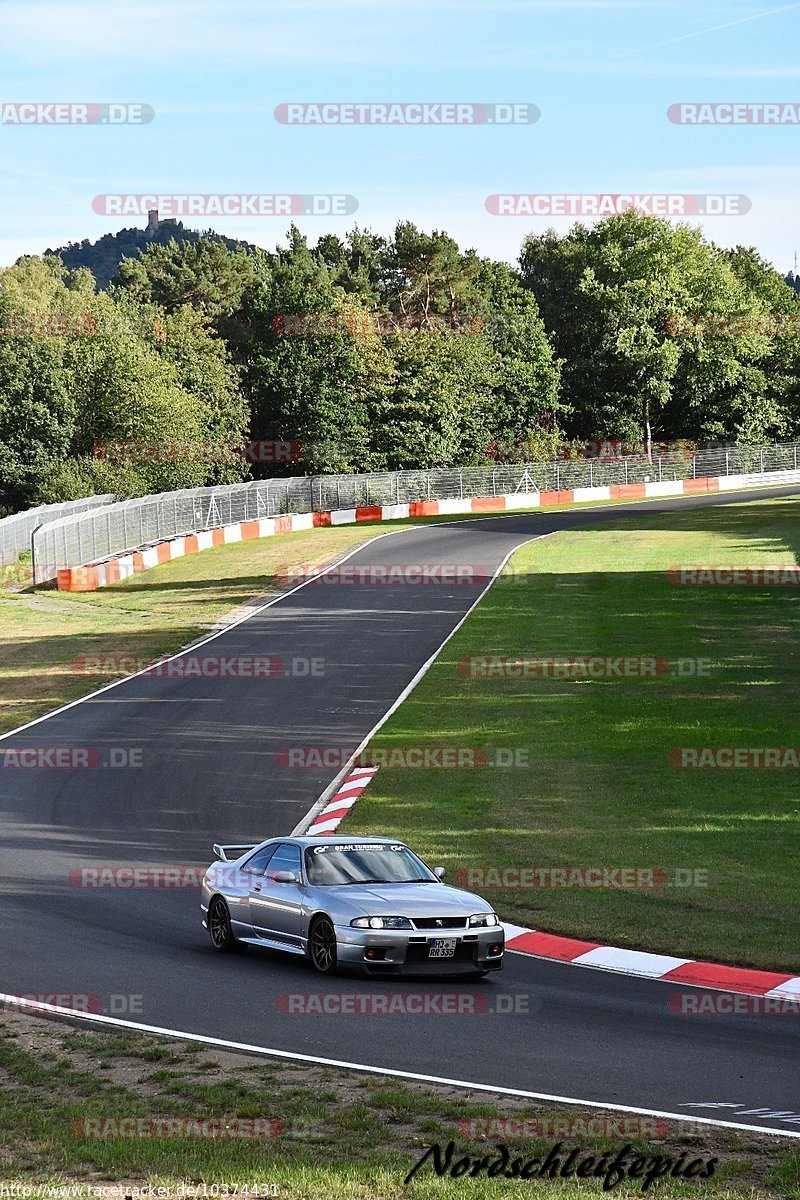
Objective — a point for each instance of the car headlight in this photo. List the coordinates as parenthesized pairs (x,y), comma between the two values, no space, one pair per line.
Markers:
(484,920)
(382,923)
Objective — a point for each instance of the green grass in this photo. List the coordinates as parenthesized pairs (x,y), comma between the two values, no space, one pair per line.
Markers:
(43,633)
(343,1135)
(599,790)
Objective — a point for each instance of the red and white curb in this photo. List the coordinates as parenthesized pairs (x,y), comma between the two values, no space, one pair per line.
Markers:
(327,821)
(536,944)
(652,966)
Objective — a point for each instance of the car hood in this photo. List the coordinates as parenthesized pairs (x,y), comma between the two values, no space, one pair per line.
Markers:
(404,900)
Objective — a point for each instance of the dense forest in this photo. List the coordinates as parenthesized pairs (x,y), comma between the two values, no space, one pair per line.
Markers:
(370,353)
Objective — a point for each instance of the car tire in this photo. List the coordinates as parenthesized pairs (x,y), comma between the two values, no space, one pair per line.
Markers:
(322,946)
(219,927)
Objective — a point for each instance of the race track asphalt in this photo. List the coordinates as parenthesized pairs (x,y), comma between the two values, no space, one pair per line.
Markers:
(211,751)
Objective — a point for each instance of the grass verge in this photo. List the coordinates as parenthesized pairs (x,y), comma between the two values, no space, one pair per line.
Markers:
(343,1136)
(599,790)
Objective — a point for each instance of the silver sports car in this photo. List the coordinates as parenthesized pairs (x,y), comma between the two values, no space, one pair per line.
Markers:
(365,903)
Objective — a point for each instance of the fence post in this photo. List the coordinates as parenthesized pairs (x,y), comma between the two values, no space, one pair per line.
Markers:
(33,553)
(494,483)
(558,479)
(762,462)
(591,474)
(397,487)
(625,465)
(727,463)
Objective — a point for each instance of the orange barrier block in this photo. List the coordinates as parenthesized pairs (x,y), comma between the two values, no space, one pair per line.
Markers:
(283,524)
(691,486)
(564,497)
(630,491)
(250,530)
(190,545)
(321,518)
(423,508)
(371,513)
(489,504)
(78,579)
(164,552)
(218,536)
(138,562)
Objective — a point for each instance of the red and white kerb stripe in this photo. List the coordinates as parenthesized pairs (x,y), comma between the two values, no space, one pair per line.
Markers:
(340,804)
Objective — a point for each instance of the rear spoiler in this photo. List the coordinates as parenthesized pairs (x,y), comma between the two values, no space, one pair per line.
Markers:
(224,852)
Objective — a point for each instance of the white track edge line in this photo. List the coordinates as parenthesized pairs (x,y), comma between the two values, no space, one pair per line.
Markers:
(98,1018)
(331,789)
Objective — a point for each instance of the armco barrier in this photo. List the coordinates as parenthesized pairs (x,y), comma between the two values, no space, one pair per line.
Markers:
(111,570)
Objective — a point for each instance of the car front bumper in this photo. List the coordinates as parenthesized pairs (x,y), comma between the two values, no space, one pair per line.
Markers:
(395,951)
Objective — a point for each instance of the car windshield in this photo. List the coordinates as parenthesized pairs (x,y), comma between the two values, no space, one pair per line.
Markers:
(364,862)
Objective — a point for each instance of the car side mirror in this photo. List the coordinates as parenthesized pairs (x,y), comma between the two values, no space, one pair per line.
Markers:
(439,872)
(285,877)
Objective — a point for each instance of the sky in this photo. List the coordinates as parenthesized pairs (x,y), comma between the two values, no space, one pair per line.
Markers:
(602,73)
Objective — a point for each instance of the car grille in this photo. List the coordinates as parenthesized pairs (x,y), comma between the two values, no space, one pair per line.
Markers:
(439,922)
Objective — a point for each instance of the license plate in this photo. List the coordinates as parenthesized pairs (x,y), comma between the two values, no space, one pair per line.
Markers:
(442,947)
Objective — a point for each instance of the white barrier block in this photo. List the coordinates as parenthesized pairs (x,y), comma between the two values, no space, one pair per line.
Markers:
(455,506)
(266,527)
(302,521)
(177,547)
(343,516)
(125,566)
(669,487)
(581,495)
(150,558)
(729,483)
(101,574)
(394,512)
(231,533)
(205,539)
(522,500)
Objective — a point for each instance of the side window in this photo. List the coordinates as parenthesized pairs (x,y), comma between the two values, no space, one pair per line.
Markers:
(257,864)
(285,858)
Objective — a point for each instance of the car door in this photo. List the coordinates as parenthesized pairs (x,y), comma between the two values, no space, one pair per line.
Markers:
(277,909)
(238,895)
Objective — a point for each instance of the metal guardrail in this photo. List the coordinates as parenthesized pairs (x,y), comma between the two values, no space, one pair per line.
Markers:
(116,528)
(16,530)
